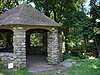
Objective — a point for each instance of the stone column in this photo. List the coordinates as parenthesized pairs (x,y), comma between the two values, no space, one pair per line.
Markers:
(60,45)
(53,47)
(19,46)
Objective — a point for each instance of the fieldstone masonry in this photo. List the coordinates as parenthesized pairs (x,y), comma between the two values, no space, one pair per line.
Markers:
(6,58)
(18,57)
(19,46)
(54,44)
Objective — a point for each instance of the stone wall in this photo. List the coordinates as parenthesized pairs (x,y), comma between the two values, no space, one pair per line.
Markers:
(6,58)
(54,47)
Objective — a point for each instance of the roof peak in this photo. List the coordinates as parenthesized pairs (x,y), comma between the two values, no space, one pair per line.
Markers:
(25,14)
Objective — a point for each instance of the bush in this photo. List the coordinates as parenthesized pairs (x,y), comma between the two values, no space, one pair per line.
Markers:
(69,56)
(92,63)
(66,56)
(82,56)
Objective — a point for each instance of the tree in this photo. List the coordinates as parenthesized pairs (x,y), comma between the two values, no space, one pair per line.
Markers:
(80,28)
(67,19)
(95,15)
(7,4)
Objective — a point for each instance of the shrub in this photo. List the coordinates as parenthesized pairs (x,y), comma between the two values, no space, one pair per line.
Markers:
(69,56)
(66,56)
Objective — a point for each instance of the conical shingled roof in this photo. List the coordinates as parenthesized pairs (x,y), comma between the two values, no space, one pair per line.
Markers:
(25,14)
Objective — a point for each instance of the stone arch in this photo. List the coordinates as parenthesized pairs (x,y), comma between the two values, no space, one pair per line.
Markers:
(6,40)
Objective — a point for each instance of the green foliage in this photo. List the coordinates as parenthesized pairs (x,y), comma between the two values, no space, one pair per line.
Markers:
(1,43)
(79,22)
(71,57)
(86,67)
(66,56)
(53,73)
(7,4)
(95,15)
(19,71)
(77,56)
(81,56)
(77,30)
(36,39)
(90,64)
(95,11)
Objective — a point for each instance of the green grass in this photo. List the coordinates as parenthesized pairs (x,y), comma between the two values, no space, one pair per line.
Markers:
(86,67)
(21,71)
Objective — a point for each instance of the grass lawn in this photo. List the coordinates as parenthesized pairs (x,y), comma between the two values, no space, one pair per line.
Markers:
(18,72)
(86,67)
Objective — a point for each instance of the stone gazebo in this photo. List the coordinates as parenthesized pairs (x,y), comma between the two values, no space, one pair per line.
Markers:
(17,24)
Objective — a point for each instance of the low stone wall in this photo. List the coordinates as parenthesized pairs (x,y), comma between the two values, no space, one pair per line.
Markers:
(6,58)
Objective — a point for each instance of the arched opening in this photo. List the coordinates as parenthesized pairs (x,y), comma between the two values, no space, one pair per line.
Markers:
(6,40)
(36,46)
